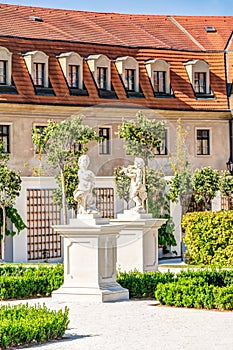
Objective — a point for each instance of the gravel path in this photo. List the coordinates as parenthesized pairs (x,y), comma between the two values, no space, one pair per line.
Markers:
(140,325)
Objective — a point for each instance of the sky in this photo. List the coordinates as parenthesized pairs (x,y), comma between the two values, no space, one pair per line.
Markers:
(167,7)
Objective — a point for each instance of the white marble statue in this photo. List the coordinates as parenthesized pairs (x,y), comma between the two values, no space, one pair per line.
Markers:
(84,193)
(137,189)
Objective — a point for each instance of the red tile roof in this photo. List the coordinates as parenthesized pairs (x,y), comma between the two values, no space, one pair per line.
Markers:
(157,31)
(175,40)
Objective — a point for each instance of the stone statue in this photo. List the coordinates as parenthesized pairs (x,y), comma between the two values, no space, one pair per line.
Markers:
(84,193)
(137,189)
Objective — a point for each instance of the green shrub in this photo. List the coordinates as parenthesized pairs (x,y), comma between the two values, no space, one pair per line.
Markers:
(23,324)
(192,294)
(18,282)
(207,288)
(143,284)
(209,237)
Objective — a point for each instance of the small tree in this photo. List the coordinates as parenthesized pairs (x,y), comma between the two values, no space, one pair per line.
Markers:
(226,184)
(180,185)
(122,182)
(142,136)
(63,143)
(205,183)
(10,186)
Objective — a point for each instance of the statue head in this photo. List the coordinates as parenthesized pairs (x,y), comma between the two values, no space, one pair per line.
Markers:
(84,161)
(139,162)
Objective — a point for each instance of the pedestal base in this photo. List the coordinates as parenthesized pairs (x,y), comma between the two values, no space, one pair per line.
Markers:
(137,243)
(108,293)
(90,261)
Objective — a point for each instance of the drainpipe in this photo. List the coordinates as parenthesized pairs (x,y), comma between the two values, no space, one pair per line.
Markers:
(228,88)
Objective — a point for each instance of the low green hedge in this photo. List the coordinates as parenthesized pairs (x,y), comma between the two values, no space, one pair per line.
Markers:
(195,293)
(209,237)
(18,282)
(23,325)
(143,284)
(206,288)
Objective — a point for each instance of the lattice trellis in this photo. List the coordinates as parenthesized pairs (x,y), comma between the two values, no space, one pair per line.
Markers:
(105,201)
(42,213)
(226,203)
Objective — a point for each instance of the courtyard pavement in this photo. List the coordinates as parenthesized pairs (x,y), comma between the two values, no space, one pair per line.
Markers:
(139,325)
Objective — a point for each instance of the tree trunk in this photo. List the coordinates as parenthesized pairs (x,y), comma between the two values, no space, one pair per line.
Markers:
(146,205)
(3,232)
(64,206)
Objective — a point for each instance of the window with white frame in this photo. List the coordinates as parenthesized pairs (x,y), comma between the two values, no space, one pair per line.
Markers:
(104,143)
(100,67)
(129,71)
(199,75)
(203,141)
(5,137)
(200,82)
(73,76)
(5,66)
(163,148)
(72,67)
(159,73)
(130,79)
(37,65)
(159,80)
(3,72)
(39,74)
(102,78)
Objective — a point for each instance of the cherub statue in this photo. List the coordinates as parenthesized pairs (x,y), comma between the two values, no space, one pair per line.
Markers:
(137,189)
(84,193)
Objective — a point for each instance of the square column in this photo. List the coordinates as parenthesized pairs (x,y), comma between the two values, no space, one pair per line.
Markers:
(90,261)
(137,243)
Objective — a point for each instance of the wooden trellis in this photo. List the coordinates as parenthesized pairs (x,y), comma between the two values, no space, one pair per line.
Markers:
(226,203)
(105,201)
(42,213)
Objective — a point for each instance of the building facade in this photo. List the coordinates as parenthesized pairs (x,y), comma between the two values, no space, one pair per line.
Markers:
(106,67)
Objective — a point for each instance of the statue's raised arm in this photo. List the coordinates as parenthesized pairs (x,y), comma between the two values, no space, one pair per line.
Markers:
(137,189)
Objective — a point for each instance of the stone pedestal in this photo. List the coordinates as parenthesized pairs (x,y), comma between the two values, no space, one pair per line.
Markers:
(90,261)
(137,244)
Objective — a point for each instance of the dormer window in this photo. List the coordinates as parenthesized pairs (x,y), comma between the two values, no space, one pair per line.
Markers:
(128,69)
(37,65)
(199,75)
(6,82)
(72,66)
(100,67)
(159,73)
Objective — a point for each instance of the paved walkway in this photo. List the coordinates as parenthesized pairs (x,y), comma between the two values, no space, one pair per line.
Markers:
(140,325)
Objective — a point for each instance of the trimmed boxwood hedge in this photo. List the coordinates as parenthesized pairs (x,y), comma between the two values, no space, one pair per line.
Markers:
(23,325)
(143,284)
(209,237)
(18,281)
(205,288)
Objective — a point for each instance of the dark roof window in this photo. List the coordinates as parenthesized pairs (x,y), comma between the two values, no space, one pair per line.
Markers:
(36,19)
(210,29)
